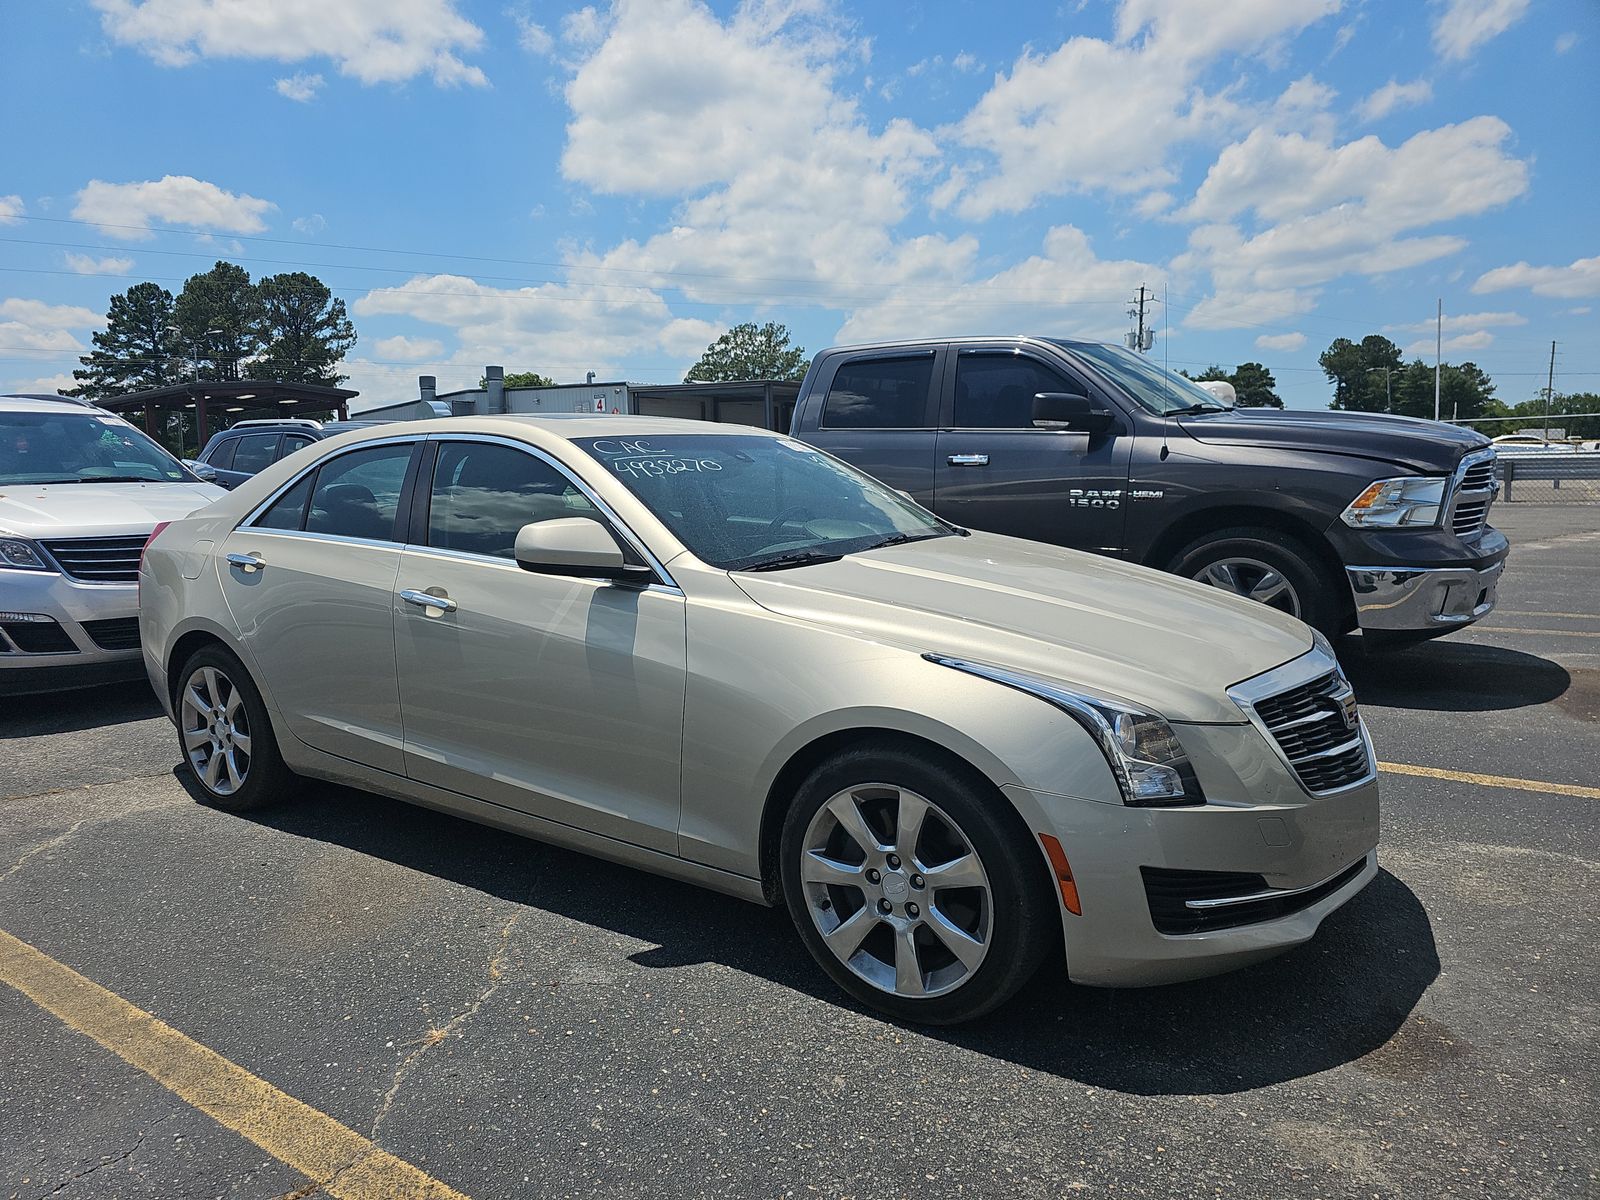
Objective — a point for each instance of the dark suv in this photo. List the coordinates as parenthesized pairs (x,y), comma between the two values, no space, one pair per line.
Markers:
(235,454)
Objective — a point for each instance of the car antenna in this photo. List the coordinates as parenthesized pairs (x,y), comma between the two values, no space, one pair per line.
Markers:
(1166,385)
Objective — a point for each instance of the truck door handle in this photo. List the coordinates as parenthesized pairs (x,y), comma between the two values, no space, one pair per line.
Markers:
(427,600)
(968,460)
(248,563)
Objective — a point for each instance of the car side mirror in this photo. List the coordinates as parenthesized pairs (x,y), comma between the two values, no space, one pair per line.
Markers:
(1071,411)
(206,472)
(576,546)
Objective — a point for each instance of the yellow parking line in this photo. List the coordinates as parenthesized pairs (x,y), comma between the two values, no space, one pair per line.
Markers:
(1500,781)
(1557,632)
(343,1162)
(1508,612)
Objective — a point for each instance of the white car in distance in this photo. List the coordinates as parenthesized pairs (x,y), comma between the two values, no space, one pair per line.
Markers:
(81,490)
(726,656)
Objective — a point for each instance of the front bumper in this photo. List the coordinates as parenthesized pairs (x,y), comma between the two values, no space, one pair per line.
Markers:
(88,630)
(1417,599)
(1258,821)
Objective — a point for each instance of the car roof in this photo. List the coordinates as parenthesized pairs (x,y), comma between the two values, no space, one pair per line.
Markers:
(562,426)
(43,404)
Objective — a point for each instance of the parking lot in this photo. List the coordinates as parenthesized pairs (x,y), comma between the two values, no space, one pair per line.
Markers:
(507,1019)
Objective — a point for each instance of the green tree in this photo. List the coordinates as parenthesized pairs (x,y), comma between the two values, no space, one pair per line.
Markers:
(1464,391)
(1212,374)
(219,320)
(1356,372)
(138,349)
(305,328)
(523,379)
(750,352)
(1255,386)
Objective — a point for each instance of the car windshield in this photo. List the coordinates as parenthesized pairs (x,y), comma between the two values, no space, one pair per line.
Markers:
(743,502)
(78,446)
(1160,391)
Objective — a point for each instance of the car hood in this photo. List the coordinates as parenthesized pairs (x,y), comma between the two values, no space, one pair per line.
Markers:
(1123,631)
(1427,446)
(97,509)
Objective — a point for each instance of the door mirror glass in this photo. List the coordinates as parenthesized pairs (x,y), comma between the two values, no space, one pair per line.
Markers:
(577,546)
(205,471)
(1071,411)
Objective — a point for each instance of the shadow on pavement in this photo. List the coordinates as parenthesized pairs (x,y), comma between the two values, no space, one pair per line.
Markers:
(1455,677)
(70,712)
(1342,996)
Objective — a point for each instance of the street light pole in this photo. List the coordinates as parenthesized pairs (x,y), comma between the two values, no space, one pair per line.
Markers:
(1388,390)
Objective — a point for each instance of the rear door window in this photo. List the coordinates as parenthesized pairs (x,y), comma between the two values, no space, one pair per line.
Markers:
(291,443)
(882,393)
(357,495)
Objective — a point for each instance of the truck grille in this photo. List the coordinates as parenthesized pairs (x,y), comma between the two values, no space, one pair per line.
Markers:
(1474,494)
(99,560)
(1316,727)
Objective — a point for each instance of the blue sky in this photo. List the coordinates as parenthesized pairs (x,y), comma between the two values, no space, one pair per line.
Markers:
(608,187)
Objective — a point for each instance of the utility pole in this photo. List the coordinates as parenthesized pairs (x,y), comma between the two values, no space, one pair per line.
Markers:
(1141,338)
(1388,387)
(1439,352)
(1549,392)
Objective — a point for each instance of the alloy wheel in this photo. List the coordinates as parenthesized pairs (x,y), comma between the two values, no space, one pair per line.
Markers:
(897,891)
(1254,580)
(216,730)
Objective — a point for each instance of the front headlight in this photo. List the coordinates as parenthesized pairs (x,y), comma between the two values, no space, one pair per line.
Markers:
(1410,502)
(1143,752)
(21,555)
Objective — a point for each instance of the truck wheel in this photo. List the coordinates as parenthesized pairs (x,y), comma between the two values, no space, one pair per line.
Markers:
(1271,568)
(911,888)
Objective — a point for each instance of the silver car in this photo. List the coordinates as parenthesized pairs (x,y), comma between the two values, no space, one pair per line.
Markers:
(725,656)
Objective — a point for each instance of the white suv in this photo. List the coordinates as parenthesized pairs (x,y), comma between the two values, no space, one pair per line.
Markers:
(80,492)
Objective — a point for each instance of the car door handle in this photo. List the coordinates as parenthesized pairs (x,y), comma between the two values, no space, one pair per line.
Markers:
(968,460)
(248,563)
(428,600)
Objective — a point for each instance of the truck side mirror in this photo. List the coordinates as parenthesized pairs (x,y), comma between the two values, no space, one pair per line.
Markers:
(1071,411)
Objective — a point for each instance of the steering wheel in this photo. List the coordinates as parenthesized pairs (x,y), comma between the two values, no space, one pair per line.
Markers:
(783,518)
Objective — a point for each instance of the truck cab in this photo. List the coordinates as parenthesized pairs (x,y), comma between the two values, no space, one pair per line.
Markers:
(1345,520)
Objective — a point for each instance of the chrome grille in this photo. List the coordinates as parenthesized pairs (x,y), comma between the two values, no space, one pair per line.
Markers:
(1316,727)
(99,560)
(1474,493)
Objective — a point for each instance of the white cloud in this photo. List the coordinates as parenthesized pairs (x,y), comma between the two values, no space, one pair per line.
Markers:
(11,209)
(1565,42)
(300,87)
(583,29)
(1094,114)
(1480,339)
(1461,26)
(39,327)
(87,264)
(310,225)
(1235,306)
(1287,342)
(375,41)
(966,63)
(561,329)
(532,36)
(43,385)
(128,209)
(1458,321)
(1393,95)
(1579,278)
(407,349)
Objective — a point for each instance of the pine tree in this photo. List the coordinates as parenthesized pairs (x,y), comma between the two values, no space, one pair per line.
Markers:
(138,349)
(219,320)
(305,328)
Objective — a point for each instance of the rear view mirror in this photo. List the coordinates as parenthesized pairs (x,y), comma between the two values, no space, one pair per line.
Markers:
(1071,411)
(576,546)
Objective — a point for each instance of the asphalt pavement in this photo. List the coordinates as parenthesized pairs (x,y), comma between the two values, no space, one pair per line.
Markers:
(514,1020)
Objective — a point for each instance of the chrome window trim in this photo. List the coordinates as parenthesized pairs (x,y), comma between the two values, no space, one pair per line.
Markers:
(247,521)
(663,576)
(309,536)
(1298,672)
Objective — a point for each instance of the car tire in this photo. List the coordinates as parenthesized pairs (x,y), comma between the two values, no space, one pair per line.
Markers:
(226,735)
(1011,911)
(1274,567)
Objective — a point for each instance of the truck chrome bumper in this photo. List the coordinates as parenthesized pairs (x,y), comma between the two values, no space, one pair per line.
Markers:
(1422,598)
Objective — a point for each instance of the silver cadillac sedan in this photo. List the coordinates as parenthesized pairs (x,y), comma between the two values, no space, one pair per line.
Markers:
(724,656)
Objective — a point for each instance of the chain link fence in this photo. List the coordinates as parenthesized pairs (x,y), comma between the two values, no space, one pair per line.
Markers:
(1549,477)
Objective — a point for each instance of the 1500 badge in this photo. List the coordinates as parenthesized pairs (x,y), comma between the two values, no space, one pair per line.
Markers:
(1094,497)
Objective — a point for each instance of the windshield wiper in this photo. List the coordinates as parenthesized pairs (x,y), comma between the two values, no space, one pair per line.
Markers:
(112,479)
(900,539)
(1189,409)
(794,558)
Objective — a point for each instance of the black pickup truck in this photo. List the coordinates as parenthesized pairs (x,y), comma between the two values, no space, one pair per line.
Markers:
(1346,520)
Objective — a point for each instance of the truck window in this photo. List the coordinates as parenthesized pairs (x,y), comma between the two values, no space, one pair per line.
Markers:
(883,393)
(996,391)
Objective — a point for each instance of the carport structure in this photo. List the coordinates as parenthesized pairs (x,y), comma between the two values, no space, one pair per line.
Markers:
(236,398)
